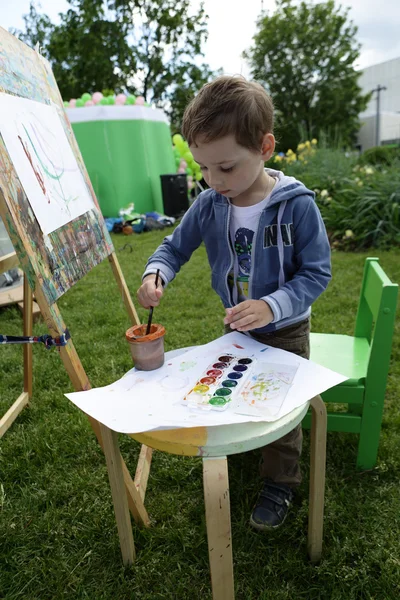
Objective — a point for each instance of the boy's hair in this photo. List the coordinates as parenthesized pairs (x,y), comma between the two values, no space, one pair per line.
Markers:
(229,105)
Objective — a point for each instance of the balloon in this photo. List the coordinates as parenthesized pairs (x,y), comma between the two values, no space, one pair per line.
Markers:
(86,96)
(79,103)
(72,103)
(147,104)
(104,101)
(140,101)
(66,103)
(177,139)
(180,170)
(190,185)
(120,99)
(97,96)
(183,163)
(130,100)
(89,103)
(189,171)
(110,100)
(198,175)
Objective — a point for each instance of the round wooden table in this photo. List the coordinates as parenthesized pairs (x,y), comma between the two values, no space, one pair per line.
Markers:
(213,445)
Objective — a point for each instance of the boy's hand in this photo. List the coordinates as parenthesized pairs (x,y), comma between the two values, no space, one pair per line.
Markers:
(249,314)
(148,295)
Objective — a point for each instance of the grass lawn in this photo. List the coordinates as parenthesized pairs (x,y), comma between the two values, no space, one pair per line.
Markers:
(58,537)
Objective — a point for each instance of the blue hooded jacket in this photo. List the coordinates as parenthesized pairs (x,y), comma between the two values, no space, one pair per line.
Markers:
(290,264)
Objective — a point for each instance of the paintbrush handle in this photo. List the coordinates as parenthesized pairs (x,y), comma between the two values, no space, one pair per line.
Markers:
(152,307)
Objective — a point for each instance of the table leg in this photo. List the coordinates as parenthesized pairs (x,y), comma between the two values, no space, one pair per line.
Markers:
(218,519)
(317,477)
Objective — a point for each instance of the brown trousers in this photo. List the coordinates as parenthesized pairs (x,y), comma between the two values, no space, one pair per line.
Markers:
(280,459)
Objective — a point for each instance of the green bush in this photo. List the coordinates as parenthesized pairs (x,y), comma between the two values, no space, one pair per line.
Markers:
(360,204)
(380,155)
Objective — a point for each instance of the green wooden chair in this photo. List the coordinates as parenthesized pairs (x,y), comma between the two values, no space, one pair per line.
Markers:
(365,359)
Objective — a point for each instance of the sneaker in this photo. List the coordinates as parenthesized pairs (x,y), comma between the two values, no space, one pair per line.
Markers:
(272,506)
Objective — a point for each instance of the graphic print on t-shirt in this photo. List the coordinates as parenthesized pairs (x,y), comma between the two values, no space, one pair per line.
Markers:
(243,247)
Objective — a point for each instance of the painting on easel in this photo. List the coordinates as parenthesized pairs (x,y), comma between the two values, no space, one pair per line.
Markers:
(44,162)
(53,219)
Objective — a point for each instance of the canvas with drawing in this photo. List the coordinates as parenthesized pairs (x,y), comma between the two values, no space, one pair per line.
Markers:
(44,162)
(233,379)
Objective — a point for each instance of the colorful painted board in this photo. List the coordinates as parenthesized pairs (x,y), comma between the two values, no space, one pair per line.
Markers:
(61,257)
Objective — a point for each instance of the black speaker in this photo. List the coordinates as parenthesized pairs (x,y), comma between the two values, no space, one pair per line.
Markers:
(175,194)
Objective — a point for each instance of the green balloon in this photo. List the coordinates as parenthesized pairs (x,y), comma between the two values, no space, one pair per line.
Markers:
(80,103)
(110,100)
(104,101)
(147,104)
(189,171)
(177,139)
(187,156)
(86,96)
(66,103)
(130,100)
(198,175)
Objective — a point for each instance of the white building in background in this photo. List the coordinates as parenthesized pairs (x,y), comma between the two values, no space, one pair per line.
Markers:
(386,74)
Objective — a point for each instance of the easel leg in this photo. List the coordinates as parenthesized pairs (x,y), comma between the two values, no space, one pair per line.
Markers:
(28,321)
(115,475)
(8,419)
(143,470)
(135,502)
(317,477)
(218,519)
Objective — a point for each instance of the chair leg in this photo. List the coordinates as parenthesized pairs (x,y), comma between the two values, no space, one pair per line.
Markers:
(120,500)
(218,519)
(317,478)
(368,443)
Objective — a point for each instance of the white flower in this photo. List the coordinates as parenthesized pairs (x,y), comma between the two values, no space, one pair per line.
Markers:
(324,193)
(348,233)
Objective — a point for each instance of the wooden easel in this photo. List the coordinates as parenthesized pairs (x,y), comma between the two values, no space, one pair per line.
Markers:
(10,261)
(26,74)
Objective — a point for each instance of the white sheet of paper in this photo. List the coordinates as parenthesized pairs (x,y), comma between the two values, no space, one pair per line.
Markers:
(149,400)
(44,161)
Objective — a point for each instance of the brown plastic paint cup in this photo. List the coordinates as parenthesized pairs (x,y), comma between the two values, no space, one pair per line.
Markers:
(147,350)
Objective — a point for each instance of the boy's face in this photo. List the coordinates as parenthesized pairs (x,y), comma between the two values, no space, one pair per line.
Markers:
(230,168)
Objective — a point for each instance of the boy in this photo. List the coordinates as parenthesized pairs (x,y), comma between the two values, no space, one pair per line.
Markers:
(266,245)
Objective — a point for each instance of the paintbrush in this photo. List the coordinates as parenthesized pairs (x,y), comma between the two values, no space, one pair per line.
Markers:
(151,308)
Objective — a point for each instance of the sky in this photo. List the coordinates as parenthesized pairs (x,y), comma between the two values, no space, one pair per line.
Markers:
(231,27)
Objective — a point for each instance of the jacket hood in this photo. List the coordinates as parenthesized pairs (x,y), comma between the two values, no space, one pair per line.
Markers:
(286,188)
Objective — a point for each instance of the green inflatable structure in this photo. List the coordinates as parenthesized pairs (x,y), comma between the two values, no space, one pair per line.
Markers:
(125,150)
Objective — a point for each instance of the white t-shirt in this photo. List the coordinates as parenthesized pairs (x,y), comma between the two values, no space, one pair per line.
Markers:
(243,223)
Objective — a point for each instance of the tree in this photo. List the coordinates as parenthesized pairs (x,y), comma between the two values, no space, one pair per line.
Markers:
(304,56)
(87,51)
(146,47)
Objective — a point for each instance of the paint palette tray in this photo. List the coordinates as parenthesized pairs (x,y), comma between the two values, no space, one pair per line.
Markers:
(219,383)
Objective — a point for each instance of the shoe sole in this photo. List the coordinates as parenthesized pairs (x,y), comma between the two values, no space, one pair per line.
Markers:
(260,527)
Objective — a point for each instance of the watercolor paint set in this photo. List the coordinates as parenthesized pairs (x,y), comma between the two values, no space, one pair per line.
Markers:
(220,383)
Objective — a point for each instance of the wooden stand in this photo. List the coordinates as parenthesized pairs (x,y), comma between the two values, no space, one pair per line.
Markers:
(53,262)
(10,261)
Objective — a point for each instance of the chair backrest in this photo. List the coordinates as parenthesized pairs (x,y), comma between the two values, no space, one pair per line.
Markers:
(376,317)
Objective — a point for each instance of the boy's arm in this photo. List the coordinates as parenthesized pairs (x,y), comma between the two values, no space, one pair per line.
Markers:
(313,256)
(176,249)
